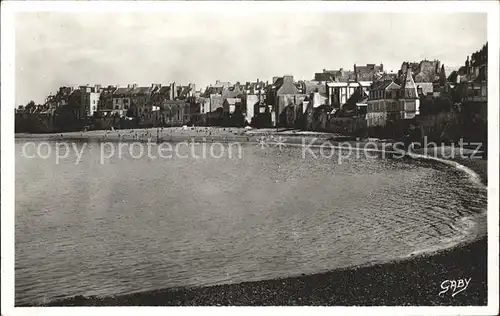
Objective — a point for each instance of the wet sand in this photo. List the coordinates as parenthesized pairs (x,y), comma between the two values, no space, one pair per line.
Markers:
(412,281)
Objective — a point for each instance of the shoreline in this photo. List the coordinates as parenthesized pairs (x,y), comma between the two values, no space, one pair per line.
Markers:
(177,134)
(410,281)
(371,284)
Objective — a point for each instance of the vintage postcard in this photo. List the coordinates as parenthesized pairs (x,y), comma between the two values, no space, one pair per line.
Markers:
(336,155)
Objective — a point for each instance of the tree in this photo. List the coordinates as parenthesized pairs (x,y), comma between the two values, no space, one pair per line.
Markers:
(30,107)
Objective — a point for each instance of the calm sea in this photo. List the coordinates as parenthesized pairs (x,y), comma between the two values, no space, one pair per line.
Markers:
(131,225)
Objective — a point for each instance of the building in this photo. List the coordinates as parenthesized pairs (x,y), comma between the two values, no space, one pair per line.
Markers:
(339,75)
(122,99)
(369,73)
(204,104)
(311,86)
(474,83)
(251,103)
(90,96)
(105,102)
(343,84)
(139,98)
(285,97)
(430,76)
(382,103)
(356,105)
(409,102)
(231,105)
(215,93)
(390,102)
(339,92)
(175,113)
(185,92)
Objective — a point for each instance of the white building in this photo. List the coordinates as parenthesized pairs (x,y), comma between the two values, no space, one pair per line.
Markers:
(339,92)
(89,99)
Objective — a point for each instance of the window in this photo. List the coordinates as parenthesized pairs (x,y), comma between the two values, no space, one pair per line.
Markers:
(125,100)
(93,101)
(93,108)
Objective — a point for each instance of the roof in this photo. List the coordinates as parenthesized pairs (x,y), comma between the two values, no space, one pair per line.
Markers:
(234,91)
(365,83)
(220,84)
(122,91)
(285,85)
(140,90)
(214,90)
(343,84)
(233,101)
(385,85)
(339,75)
(254,85)
(164,90)
(409,86)
(185,90)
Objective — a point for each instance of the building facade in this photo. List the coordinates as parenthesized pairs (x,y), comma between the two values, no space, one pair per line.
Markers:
(382,104)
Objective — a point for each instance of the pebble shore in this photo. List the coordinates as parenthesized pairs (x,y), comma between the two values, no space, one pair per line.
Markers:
(410,282)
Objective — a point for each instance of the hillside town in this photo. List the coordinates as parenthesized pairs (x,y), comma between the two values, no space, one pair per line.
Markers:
(366,101)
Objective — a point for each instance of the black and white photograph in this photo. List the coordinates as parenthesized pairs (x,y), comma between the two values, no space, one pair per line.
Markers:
(250,153)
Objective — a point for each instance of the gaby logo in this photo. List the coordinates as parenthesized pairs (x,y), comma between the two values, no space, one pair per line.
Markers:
(455,286)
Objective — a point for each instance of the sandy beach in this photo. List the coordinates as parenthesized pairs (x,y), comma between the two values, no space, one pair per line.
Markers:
(178,134)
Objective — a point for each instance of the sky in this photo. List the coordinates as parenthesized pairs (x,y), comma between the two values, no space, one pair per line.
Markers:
(55,49)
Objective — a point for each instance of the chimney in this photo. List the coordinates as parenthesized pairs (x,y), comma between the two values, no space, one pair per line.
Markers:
(134,85)
(171,91)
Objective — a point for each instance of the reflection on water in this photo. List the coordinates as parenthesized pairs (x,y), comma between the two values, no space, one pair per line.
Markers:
(140,224)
